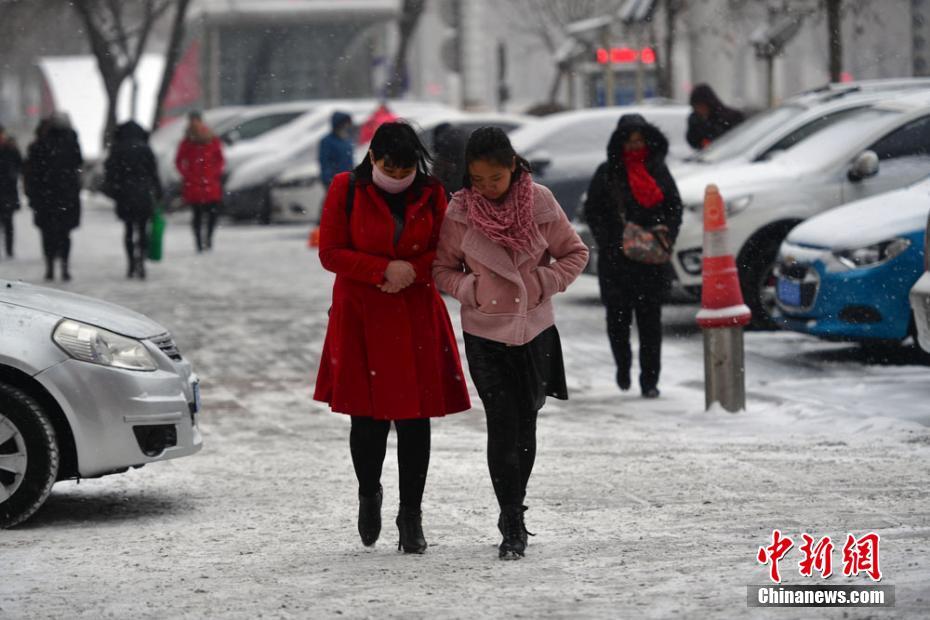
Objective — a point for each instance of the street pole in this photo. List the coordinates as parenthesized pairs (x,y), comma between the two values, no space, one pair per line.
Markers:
(608,68)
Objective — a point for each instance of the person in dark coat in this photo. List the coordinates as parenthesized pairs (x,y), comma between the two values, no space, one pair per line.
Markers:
(200,162)
(11,166)
(633,185)
(449,156)
(132,181)
(710,118)
(390,354)
(336,151)
(53,186)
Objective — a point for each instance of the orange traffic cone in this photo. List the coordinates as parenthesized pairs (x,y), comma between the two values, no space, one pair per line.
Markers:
(313,240)
(721,299)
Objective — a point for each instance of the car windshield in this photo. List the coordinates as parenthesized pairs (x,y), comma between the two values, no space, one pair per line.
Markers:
(835,141)
(743,137)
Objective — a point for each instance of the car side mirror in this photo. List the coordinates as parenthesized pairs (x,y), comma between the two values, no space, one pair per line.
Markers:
(864,166)
(539,163)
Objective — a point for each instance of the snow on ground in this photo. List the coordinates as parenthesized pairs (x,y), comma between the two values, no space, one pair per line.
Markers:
(641,508)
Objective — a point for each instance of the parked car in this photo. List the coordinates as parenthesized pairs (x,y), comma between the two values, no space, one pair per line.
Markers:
(87,389)
(248,185)
(766,133)
(297,193)
(565,149)
(920,297)
(845,274)
(871,150)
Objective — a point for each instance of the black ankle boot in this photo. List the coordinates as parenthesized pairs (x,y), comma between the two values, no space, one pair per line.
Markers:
(49,270)
(140,269)
(510,524)
(410,526)
(65,274)
(369,517)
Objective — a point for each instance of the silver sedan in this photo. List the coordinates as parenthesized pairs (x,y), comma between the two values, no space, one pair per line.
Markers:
(87,389)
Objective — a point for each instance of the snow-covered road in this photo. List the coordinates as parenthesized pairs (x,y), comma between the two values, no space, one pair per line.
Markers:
(642,508)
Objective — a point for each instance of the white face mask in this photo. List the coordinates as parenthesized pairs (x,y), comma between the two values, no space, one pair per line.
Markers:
(390,184)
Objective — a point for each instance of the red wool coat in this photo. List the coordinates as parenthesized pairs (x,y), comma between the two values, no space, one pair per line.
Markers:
(201,167)
(386,356)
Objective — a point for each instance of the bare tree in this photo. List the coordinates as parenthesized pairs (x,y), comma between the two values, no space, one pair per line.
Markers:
(410,14)
(172,57)
(118,32)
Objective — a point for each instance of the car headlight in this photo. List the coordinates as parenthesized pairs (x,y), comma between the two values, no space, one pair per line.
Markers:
(99,346)
(872,255)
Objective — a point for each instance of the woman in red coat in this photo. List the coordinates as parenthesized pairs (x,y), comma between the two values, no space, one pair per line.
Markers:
(390,352)
(200,162)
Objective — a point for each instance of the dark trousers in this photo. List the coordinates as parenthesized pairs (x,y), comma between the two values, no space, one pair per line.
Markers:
(56,241)
(368,443)
(6,223)
(137,241)
(211,210)
(648,310)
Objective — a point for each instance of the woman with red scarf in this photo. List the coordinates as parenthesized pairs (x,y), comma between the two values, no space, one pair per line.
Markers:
(506,247)
(633,185)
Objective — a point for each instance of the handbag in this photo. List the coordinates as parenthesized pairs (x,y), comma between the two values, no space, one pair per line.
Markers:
(646,245)
(158,234)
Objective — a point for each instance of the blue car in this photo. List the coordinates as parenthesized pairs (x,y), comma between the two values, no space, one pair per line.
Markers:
(846,274)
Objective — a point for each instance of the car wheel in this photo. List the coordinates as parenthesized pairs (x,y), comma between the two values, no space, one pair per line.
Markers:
(757,280)
(29,456)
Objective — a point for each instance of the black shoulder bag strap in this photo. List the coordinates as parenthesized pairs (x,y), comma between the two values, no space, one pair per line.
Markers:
(350,196)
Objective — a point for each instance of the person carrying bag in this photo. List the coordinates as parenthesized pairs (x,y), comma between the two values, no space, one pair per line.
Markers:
(634,211)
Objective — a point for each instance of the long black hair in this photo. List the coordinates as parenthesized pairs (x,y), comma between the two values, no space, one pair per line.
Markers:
(397,144)
(491,144)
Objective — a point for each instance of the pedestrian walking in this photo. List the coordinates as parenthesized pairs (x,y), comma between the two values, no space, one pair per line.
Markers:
(131,179)
(53,185)
(710,118)
(506,248)
(336,151)
(449,156)
(633,208)
(390,353)
(200,161)
(11,167)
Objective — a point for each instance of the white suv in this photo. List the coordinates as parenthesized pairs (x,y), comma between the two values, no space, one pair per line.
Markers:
(868,151)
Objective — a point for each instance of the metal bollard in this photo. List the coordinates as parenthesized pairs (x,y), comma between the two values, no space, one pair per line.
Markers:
(723,313)
(724,371)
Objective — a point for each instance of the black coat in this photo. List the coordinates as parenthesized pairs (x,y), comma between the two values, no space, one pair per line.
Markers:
(11,166)
(131,174)
(609,194)
(53,178)
(702,132)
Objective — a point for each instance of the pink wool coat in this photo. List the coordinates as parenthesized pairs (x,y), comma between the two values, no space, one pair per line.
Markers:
(507,297)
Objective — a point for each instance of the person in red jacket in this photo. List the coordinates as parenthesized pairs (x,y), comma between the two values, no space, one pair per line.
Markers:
(390,352)
(200,162)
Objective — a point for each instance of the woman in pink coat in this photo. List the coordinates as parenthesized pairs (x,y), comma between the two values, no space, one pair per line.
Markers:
(505,248)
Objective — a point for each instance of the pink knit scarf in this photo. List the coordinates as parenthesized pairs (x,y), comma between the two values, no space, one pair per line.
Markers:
(509,223)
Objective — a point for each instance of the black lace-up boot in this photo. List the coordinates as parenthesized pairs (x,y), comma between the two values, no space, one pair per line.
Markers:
(369,517)
(410,526)
(510,524)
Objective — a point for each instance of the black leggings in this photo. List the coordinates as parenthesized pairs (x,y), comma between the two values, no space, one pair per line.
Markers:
(137,240)
(6,223)
(511,451)
(368,442)
(211,209)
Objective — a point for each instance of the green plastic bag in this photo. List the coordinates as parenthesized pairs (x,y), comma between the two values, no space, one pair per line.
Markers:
(157,235)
